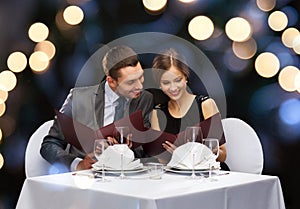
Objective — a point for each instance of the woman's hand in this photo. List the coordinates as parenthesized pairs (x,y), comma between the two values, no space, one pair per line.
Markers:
(170,147)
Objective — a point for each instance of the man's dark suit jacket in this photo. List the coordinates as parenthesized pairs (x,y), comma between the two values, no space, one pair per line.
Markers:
(86,105)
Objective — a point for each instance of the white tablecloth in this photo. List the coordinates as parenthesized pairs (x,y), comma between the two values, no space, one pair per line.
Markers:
(232,191)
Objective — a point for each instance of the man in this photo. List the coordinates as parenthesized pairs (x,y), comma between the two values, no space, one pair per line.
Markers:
(95,106)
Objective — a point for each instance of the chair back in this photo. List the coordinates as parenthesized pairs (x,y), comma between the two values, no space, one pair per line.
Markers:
(244,150)
(35,164)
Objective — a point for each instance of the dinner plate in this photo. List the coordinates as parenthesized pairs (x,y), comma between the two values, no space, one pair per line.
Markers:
(112,171)
(184,171)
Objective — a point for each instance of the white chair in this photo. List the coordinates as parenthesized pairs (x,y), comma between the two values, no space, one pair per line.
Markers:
(244,150)
(35,164)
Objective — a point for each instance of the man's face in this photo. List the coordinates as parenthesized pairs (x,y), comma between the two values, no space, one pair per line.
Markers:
(130,83)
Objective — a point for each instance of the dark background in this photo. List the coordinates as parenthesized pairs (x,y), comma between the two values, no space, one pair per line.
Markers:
(256,100)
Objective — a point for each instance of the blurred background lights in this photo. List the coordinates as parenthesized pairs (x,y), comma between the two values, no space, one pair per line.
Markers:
(296,44)
(297,82)
(38,61)
(245,50)
(1,161)
(289,111)
(201,28)
(17,62)
(8,80)
(0,135)
(288,37)
(277,21)
(38,32)
(187,1)
(2,108)
(3,95)
(73,15)
(154,5)
(47,47)
(266,5)
(287,78)
(238,29)
(267,64)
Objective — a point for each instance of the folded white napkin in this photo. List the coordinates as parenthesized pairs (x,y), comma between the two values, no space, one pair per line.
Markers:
(112,158)
(182,157)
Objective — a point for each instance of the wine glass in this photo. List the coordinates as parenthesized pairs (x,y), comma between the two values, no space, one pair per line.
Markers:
(99,147)
(213,145)
(122,133)
(193,134)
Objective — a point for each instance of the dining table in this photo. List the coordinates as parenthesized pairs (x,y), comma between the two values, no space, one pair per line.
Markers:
(174,190)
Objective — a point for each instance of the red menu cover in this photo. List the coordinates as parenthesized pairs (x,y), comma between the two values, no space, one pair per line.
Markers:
(82,137)
(211,128)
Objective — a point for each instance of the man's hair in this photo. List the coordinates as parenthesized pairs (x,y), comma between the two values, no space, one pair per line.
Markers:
(117,58)
(163,62)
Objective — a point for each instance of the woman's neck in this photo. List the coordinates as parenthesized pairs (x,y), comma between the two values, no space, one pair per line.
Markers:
(178,108)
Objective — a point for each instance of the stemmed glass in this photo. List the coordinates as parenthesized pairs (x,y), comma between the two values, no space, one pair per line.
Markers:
(99,146)
(213,145)
(193,134)
(122,132)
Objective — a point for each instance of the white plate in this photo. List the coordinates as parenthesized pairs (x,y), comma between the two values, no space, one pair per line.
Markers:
(131,171)
(184,171)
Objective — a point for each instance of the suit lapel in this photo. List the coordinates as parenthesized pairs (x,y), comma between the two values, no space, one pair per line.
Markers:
(99,104)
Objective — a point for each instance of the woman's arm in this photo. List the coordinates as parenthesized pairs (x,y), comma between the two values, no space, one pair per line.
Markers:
(209,108)
(154,120)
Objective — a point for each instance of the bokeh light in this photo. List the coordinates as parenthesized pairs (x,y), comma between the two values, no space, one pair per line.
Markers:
(187,1)
(8,80)
(38,61)
(296,44)
(277,21)
(154,6)
(287,78)
(297,82)
(73,15)
(233,63)
(289,111)
(267,64)
(17,62)
(0,135)
(201,28)
(238,29)
(47,47)
(38,32)
(245,50)
(288,37)
(1,161)
(2,109)
(3,95)
(266,5)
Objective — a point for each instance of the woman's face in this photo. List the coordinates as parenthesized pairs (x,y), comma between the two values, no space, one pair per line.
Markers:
(173,83)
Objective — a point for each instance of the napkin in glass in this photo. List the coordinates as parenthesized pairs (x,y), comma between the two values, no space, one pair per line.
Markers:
(111,158)
(182,157)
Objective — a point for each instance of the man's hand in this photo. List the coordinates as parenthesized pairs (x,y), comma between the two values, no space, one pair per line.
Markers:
(86,163)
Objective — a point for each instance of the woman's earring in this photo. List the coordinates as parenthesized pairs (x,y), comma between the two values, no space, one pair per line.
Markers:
(160,87)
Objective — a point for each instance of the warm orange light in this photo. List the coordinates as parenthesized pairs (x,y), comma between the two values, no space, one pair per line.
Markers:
(245,50)
(8,80)
(17,62)
(73,15)
(1,161)
(277,21)
(201,28)
(288,37)
(38,61)
(38,32)
(267,64)
(47,47)
(238,29)
(287,78)
(266,5)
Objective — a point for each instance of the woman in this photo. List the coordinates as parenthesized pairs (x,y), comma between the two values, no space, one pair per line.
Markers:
(183,108)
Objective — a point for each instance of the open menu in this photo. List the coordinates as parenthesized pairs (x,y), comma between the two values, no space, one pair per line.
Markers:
(82,136)
(211,128)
